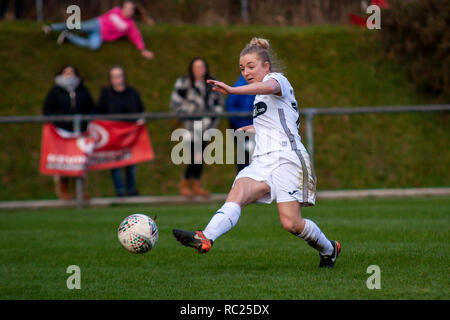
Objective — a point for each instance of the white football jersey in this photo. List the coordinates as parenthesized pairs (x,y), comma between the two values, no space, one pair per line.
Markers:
(276,119)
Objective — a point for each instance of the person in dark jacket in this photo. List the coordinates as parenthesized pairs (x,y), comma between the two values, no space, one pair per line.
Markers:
(68,96)
(241,103)
(119,97)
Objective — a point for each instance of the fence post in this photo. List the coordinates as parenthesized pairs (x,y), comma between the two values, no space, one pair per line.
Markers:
(39,10)
(79,187)
(244,11)
(310,135)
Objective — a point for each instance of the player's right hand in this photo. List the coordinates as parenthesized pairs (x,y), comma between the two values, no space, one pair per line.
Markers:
(220,86)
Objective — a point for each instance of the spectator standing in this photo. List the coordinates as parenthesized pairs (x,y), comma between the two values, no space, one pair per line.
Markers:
(118,98)
(68,96)
(241,103)
(192,95)
(112,25)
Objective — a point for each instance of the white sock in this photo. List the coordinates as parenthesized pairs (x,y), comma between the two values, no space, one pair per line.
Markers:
(315,238)
(223,221)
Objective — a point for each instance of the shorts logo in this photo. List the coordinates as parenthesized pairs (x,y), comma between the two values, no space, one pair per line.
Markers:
(293,192)
(260,108)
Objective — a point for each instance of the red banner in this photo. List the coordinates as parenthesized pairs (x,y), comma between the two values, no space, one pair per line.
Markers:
(357,20)
(105,145)
(62,153)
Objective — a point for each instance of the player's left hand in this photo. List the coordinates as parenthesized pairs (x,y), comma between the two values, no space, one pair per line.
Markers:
(220,87)
(249,128)
(147,54)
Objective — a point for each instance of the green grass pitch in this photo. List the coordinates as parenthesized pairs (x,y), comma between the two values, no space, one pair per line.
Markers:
(407,238)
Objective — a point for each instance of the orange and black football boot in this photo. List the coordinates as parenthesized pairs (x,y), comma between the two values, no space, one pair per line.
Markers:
(327,261)
(194,239)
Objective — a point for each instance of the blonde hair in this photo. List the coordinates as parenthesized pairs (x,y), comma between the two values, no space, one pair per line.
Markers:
(261,47)
(260,42)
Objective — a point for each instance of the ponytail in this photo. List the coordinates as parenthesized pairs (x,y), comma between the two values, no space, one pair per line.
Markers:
(261,47)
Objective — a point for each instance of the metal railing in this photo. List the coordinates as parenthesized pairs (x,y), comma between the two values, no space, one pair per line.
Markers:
(308,113)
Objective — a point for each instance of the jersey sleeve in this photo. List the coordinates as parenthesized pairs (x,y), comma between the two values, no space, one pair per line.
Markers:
(281,81)
(135,36)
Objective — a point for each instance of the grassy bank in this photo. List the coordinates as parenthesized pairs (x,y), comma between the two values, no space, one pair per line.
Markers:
(327,66)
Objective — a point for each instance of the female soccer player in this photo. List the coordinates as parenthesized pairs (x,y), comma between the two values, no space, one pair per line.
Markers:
(280,168)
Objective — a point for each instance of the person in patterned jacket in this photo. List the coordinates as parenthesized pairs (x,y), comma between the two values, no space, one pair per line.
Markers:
(192,95)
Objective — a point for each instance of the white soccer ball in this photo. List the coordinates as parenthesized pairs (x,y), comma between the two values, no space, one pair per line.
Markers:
(138,233)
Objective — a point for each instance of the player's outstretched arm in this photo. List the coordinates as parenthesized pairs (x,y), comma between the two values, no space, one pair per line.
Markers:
(267,87)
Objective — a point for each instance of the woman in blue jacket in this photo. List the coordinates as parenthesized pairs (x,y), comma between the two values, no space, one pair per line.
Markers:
(241,103)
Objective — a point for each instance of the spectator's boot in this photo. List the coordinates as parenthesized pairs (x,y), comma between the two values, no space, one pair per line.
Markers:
(198,190)
(185,188)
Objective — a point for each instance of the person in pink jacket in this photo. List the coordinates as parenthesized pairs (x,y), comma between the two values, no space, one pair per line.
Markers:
(112,25)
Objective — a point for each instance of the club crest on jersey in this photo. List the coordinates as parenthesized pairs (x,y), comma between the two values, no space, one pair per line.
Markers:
(259,109)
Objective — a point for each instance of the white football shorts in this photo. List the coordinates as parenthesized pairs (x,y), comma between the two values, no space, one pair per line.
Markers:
(289,174)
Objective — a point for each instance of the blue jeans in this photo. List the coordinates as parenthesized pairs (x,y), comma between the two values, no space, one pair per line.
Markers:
(91,27)
(130,180)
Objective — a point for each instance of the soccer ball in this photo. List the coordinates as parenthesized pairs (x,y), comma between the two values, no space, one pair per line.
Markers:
(138,233)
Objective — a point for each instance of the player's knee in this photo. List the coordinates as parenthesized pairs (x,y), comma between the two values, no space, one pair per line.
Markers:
(237,194)
(290,224)
(95,46)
